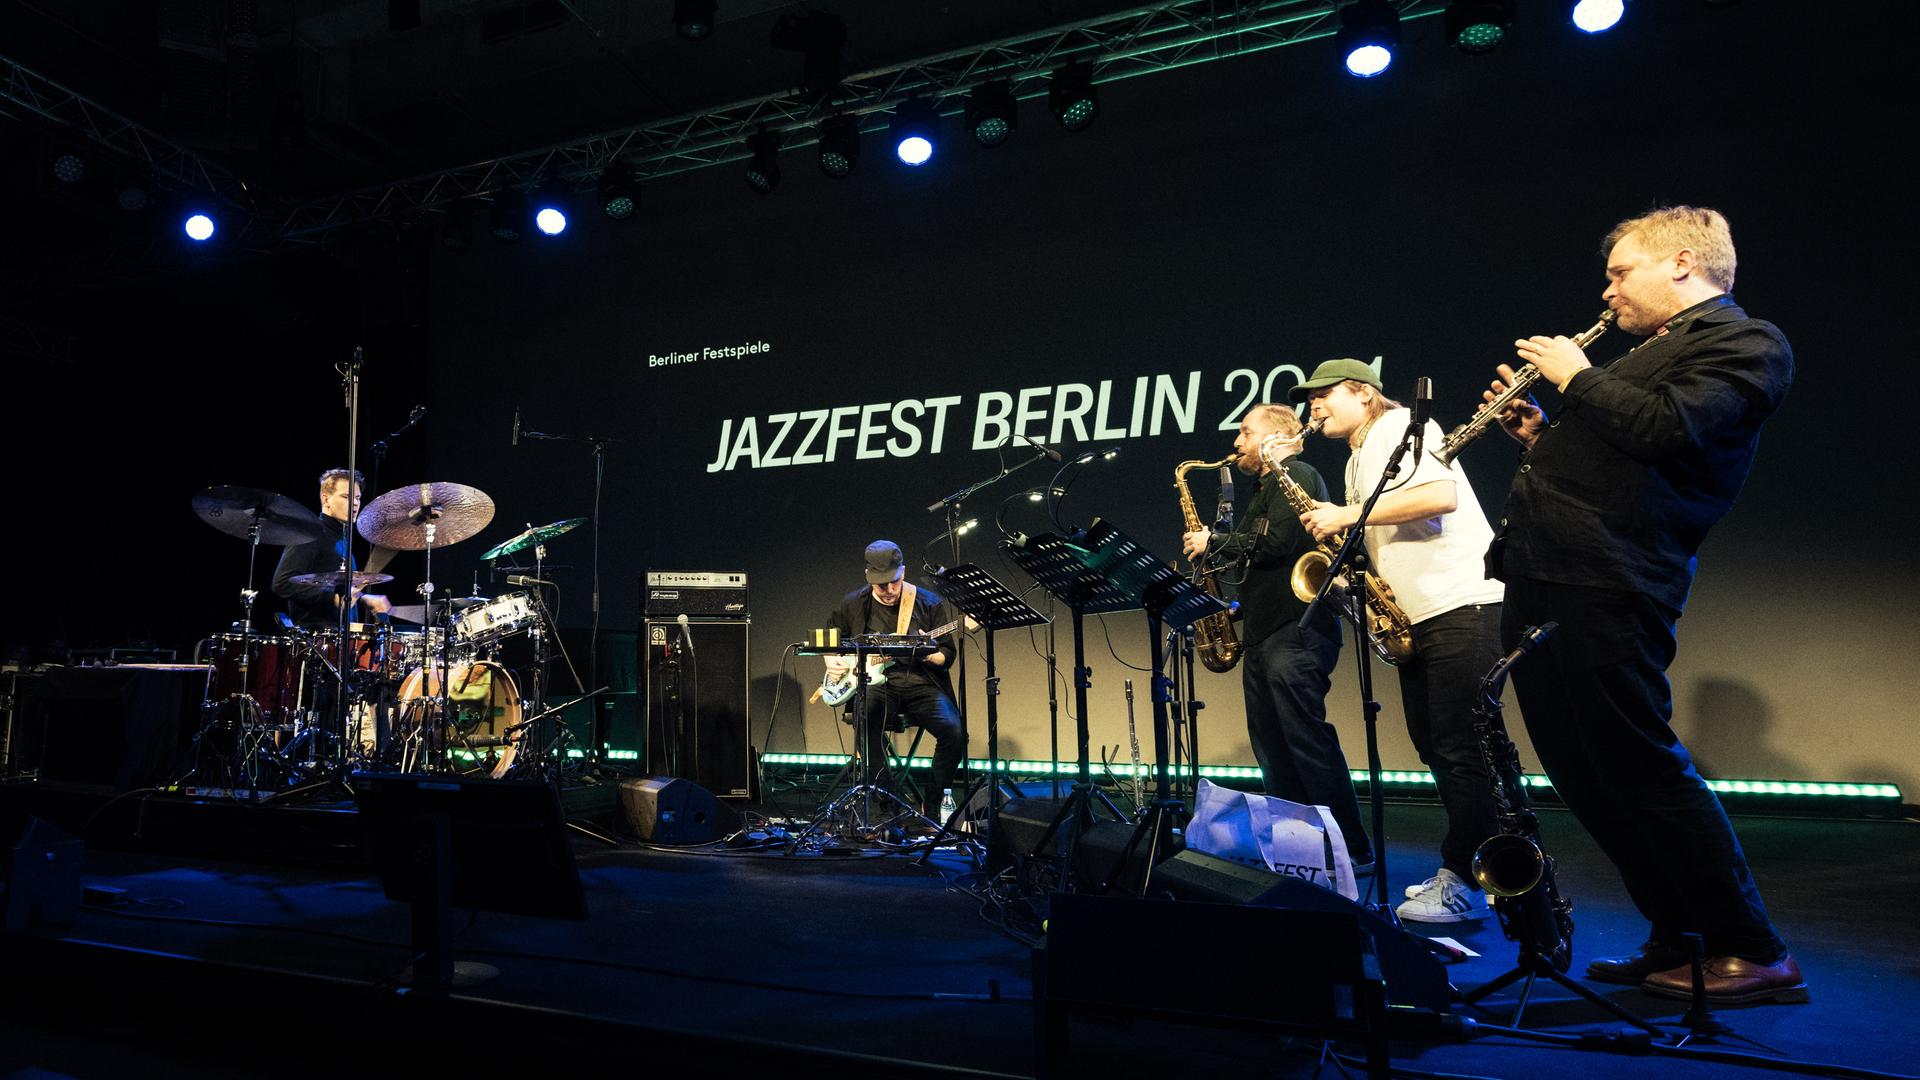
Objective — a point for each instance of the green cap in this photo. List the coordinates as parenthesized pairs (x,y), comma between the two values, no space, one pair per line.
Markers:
(1335,371)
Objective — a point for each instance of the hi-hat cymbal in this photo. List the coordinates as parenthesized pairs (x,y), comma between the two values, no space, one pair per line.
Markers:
(283,522)
(538,534)
(401,518)
(334,579)
(417,613)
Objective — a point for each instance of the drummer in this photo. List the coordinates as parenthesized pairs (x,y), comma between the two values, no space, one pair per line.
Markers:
(317,606)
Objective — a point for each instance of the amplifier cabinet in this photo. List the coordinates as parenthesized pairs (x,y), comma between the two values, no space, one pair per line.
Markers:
(696,701)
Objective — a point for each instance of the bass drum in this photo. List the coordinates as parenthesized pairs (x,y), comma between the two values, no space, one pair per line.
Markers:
(485,704)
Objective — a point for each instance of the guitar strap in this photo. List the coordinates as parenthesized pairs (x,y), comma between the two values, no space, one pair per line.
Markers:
(905,621)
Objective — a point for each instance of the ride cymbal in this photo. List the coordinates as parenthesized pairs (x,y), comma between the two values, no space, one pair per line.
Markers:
(404,518)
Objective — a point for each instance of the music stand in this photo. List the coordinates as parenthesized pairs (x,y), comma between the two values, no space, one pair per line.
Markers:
(976,594)
(1172,601)
(1055,563)
(443,841)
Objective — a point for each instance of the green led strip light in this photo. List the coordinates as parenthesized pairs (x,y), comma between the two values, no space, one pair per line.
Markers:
(1390,776)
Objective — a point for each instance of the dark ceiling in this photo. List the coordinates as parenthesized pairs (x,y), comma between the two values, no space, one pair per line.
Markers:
(311,97)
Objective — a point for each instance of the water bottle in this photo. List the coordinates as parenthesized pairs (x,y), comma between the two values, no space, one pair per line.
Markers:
(946,804)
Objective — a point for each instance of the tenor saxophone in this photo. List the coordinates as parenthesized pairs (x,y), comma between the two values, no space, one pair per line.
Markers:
(1510,865)
(1388,630)
(1213,636)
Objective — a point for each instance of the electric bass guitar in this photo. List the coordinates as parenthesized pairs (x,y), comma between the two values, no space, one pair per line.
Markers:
(835,689)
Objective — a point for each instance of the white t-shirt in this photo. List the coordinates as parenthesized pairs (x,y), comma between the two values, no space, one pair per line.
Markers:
(1435,564)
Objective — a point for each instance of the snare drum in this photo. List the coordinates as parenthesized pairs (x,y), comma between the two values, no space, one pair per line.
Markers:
(495,620)
(484,701)
(410,649)
(367,649)
(272,677)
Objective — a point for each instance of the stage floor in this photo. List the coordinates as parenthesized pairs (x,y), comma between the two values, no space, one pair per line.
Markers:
(725,960)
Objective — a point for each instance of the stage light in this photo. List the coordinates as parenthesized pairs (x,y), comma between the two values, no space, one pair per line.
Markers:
(550,220)
(199,227)
(763,171)
(133,196)
(693,19)
(839,145)
(916,131)
(1369,33)
(992,114)
(508,221)
(1477,27)
(1596,16)
(69,167)
(618,191)
(818,37)
(1072,97)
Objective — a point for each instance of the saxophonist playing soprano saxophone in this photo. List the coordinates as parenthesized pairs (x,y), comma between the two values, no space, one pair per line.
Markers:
(1286,668)
(1426,537)
(1615,493)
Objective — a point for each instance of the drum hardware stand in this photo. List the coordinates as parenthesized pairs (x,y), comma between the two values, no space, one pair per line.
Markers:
(350,385)
(599,444)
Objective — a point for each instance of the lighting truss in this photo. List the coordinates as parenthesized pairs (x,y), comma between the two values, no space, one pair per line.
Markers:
(171,165)
(1143,40)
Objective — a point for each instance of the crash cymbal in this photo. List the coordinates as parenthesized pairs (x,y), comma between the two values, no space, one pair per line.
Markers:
(283,522)
(400,518)
(539,534)
(333,579)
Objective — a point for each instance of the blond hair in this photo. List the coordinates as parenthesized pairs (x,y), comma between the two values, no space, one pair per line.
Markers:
(1699,229)
(1376,403)
(1281,418)
(327,479)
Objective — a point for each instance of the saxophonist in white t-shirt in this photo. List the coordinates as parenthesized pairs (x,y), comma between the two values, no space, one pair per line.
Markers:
(1427,537)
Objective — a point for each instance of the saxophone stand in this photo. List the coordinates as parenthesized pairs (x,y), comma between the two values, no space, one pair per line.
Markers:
(1056,564)
(975,593)
(1528,915)
(1170,600)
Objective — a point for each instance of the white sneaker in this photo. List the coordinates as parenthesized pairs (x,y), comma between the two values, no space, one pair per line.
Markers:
(1416,890)
(1444,898)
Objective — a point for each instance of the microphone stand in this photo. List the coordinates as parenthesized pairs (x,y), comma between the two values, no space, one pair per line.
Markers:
(599,444)
(950,504)
(1356,609)
(350,382)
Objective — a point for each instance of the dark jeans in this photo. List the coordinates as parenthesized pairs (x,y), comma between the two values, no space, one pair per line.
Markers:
(1598,710)
(898,705)
(1453,651)
(1286,676)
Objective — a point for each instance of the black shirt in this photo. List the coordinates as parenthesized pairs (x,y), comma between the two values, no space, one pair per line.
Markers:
(1272,539)
(1644,456)
(310,605)
(859,613)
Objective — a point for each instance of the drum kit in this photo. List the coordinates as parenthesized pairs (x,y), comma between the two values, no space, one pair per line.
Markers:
(425,688)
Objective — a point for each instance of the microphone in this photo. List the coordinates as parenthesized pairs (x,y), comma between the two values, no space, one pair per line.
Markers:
(1422,406)
(1049,452)
(353,372)
(1223,514)
(523,579)
(516,426)
(686,631)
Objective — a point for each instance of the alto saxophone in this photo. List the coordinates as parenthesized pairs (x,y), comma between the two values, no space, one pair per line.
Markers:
(1510,864)
(1213,636)
(1388,630)
(1477,425)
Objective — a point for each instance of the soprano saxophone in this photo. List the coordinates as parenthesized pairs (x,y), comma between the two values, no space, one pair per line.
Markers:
(1489,414)
(1388,630)
(1213,636)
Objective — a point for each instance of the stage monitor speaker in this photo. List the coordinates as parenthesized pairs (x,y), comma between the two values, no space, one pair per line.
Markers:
(669,810)
(43,878)
(113,728)
(696,702)
(1415,976)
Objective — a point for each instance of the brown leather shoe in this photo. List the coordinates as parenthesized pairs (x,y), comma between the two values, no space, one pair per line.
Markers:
(1632,970)
(1733,981)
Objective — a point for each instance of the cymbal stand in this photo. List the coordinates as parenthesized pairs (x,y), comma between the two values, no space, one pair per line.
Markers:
(350,384)
(247,732)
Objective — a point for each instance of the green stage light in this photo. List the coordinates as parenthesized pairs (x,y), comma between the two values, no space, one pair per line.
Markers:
(763,171)
(992,114)
(1477,27)
(1072,97)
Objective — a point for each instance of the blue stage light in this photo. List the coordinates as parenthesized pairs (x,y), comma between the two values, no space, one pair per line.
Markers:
(199,228)
(916,126)
(550,220)
(1369,32)
(1595,16)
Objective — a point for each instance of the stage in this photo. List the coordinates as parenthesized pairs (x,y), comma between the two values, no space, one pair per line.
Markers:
(718,960)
